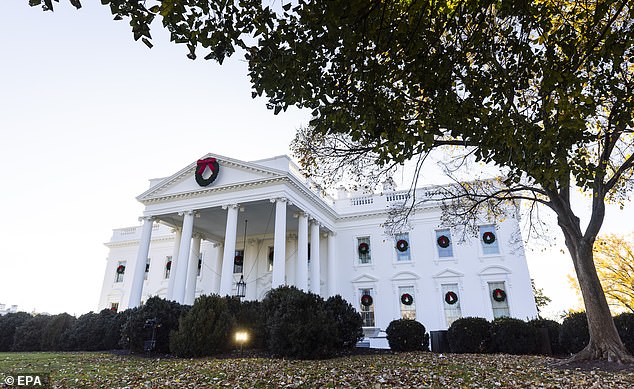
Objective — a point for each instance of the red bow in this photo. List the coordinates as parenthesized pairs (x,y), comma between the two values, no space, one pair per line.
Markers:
(203,163)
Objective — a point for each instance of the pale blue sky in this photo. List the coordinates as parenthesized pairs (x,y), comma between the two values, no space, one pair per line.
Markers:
(87,116)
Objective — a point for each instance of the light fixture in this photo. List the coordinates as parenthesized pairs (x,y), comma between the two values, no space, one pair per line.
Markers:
(241,288)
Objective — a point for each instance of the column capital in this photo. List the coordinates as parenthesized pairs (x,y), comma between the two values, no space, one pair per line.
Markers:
(280,200)
(314,221)
(232,206)
(146,218)
(187,212)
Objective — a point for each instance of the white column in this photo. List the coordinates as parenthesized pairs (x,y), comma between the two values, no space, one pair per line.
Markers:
(138,271)
(229,252)
(183,257)
(170,280)
(315,281)
(192,271)
(332,273)
(279,244)
(302,252)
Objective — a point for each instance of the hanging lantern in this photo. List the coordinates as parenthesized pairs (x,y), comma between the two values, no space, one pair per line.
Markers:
(443,241)
(241,288)
(499,295)
(488,237)
(451,298)
(366,300)
(407,299)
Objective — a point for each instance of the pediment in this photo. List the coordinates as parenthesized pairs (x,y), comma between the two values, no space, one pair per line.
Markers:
(364,278)
(231,172)
(405,276)
(448,273)
(493,270)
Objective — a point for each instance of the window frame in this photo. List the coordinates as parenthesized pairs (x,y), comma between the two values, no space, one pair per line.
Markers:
(407,254)
(358,260)
(120,278)
(481,244)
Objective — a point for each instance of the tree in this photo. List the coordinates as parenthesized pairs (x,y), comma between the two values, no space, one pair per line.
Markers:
(614,260)
(541,89)
(541,300)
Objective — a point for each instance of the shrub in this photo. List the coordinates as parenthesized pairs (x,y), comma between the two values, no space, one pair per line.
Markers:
(54,334)
(625,325)
(206,329)
(469,335)
(28,336)
(407,335)
(574,335)
(8,324)
(553,333)
(513,336)
(298,324)
(347,320)
(96,331)
(135,332)
(249,317)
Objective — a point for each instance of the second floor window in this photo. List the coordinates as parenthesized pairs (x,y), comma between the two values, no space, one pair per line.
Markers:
(168,266)
(119,272)
(363,250)
(238,261)
(402,247)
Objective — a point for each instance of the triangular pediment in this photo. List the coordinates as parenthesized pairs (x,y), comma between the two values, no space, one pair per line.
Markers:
(448,273)
(405,276)
(364,278)
(231,173)
(493,270)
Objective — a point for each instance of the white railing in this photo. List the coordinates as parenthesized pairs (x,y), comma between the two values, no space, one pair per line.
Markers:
(362,200)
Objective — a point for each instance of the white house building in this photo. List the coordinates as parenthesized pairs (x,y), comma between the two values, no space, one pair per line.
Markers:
(219,220)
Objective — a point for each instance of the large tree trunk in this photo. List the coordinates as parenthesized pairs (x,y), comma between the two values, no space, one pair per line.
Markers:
(605,343)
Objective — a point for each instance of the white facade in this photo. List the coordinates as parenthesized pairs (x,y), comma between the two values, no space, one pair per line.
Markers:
(188,224)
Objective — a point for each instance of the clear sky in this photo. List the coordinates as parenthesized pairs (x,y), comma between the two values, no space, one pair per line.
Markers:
(88,115)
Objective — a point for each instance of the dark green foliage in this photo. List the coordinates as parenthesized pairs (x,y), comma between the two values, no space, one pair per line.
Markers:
(96,331)
(625,326)
(469,335)
(54,335)
(28,336)
(348,321)
(513,336)
(206,329)
(298,324)
(167,313)
(250,318)
(574,335)
(553,333)
(407,335)
(8,325)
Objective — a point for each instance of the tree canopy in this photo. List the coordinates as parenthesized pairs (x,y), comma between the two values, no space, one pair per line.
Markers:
(541,89)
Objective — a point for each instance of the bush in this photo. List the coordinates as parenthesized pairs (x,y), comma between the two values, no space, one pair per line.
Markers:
(28,336)
(347,320)
(249,317)
(206,329)
(8,324)
(96,331)
(469,335)
(54,334)
(553,333)
(513,336)
(574,335)
(407,335)
(625,325)
(167,313)
(298,324)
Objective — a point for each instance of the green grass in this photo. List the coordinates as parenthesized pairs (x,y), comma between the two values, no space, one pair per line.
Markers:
(415,369)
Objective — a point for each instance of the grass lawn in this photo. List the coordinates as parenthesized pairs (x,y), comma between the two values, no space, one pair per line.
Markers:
(415,369)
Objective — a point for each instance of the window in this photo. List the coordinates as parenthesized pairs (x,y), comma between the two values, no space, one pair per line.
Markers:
(489,240)
(270,263)
(200,264)
(114,307)
(147,269)
(499,301)
(168,266)
(119,271)
(407,302)
(363,249)
(402,247)
(366,304)
(444,243)
(238,261)
(451,303)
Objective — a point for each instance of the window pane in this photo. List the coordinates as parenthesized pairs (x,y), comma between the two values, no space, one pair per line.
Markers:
(407,302)
(238,261)
(364,256)
(402,247)
(451,303)
(443,238)
(367,311)
(499,300)
(489,240)
(168,266)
